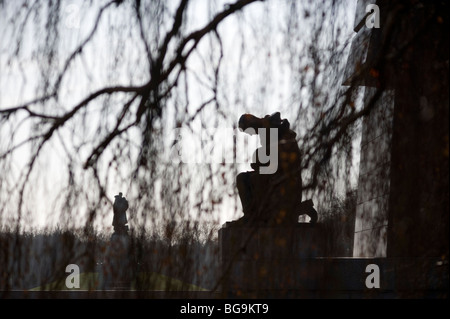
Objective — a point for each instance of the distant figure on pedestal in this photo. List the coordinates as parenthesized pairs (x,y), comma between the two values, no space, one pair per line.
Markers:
(120,217)
(118,268)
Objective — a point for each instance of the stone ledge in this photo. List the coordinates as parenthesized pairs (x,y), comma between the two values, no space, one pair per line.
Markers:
(326,277)
(304,240)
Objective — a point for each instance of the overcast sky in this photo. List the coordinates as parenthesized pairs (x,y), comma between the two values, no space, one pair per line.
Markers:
(263,83)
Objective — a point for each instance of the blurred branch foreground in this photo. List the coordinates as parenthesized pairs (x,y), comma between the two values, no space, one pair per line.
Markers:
(105,96)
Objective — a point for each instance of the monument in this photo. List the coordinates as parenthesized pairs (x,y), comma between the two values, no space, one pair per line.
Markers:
(272,196)
(259,251)
(120,220)
(118,266)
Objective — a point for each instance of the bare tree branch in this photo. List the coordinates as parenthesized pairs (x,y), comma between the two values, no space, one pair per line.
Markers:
(80,48)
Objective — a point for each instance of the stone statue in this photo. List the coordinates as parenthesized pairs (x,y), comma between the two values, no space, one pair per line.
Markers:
(119,267)
(274,196)
(120,217)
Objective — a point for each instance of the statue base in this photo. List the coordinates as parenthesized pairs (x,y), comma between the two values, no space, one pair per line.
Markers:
(268,257)
(118,268)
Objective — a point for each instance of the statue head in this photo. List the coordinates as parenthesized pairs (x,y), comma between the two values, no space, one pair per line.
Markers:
(247,121)
(269,121)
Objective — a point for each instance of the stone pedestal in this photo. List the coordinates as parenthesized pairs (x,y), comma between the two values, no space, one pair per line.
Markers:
(269,258)
(118,268)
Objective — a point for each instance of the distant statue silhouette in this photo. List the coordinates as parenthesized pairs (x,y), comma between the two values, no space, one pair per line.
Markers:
(119,268)
(120,217)
(274,197)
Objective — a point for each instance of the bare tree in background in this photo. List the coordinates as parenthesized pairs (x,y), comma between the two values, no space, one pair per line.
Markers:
(103,86)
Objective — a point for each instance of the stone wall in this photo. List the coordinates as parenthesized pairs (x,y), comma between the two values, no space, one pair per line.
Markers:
(374,178)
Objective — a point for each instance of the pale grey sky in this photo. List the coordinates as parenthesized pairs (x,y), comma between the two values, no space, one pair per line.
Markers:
(243,58)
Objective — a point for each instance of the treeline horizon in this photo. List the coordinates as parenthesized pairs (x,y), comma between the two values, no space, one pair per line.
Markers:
(184,252)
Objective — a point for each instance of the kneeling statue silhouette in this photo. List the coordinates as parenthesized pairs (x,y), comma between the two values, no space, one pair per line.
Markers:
(271,194)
